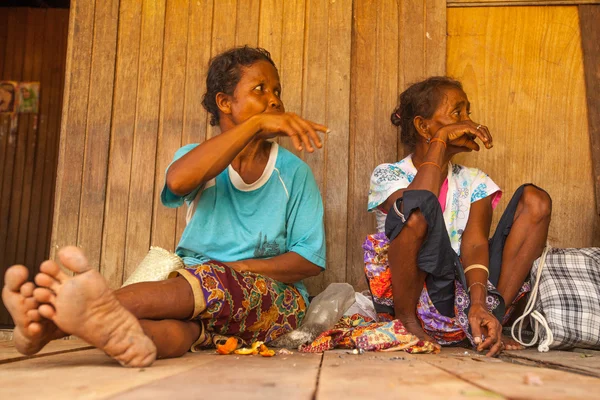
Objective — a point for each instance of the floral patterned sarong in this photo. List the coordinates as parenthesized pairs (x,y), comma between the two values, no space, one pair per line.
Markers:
(359,332)
(445,330)
(246,305)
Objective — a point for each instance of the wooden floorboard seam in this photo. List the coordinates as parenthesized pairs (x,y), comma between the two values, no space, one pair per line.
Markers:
(39,355)
(524,360)
(316,390)
(457,375)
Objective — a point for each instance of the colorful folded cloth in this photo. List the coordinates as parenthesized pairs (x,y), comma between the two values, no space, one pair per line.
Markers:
(359,332)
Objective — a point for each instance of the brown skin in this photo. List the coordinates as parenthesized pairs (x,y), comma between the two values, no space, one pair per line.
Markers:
(253,114)
(451,124)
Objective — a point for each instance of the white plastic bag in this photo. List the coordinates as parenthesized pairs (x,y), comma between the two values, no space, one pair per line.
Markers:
(323,313)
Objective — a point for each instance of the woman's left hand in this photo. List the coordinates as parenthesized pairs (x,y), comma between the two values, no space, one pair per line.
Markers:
(486,330)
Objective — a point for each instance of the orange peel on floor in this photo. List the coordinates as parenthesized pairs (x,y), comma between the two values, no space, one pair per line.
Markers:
(229,346)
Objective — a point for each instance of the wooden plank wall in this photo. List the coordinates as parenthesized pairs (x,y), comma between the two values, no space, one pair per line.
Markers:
(32,48)
(523,70)
(135,76)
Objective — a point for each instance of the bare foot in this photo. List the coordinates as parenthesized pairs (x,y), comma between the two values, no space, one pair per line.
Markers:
(32,332)
(511,344)
(84,306)
(415,327)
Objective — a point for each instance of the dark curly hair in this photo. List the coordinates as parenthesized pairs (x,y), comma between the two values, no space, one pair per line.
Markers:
(224,73)
(420,99)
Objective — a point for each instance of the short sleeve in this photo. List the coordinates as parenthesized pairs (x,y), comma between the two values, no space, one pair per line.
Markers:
(168,198)
(305,229)
(483,186)
(385,180)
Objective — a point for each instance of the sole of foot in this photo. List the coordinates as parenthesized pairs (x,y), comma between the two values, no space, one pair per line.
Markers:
(32,332)
(84,306)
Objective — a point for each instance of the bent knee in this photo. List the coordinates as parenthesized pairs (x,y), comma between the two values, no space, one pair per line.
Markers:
(537,203)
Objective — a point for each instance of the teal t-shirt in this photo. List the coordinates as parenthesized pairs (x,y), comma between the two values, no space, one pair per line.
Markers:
(230,220)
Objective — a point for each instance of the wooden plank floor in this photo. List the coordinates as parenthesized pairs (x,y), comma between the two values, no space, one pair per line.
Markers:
(70,369)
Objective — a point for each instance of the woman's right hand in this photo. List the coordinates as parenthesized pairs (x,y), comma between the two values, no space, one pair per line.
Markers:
(302,132)
(463,134)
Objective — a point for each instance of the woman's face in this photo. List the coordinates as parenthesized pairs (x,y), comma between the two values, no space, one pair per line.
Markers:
(454,107)
(258,91)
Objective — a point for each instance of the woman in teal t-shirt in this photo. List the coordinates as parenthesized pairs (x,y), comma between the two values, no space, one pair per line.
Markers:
(255,230)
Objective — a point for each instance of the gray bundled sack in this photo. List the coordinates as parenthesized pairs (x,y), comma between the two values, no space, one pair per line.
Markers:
(323,313)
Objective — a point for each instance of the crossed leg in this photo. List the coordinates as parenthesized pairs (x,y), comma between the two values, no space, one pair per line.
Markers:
(84,306)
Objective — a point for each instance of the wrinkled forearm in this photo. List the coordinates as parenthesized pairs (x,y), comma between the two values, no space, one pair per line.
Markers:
(287,268)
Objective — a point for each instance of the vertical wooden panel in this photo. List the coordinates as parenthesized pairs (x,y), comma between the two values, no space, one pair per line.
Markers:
(314,97)
(271,27)
(223,38)
(522,69)
(121,142)
(198,56)
(246,27)
(589,16)
(53,132)
(13,70)
(97,136)
(48,104)
(15,192)
(74,119)
(373,137)
(171,116)
(223,34)
(38,25)
(290,67)
(335,151)
(141,191)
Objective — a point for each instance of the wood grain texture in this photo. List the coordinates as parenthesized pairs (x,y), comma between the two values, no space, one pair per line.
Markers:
(73,127)
(493,375)
(37,24)
(86,374)
(143,165)
(198,57)
(291,65)
(54,128)
(170,124)
(50,50)
(522,69)
(16,190)
(590,44)
(247,24)
(512,3)
(290,376)
(396,375)
(97,133)
(564,360)
(122,129)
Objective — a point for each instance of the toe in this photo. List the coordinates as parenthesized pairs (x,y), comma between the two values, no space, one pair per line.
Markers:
(44,295)
(52,269)
(15,277)
(46,281)
(34,315)
(47,311)
(27,289)
(73,258)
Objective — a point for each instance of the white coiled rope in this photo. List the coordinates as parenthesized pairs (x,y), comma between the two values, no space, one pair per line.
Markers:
(539,321)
